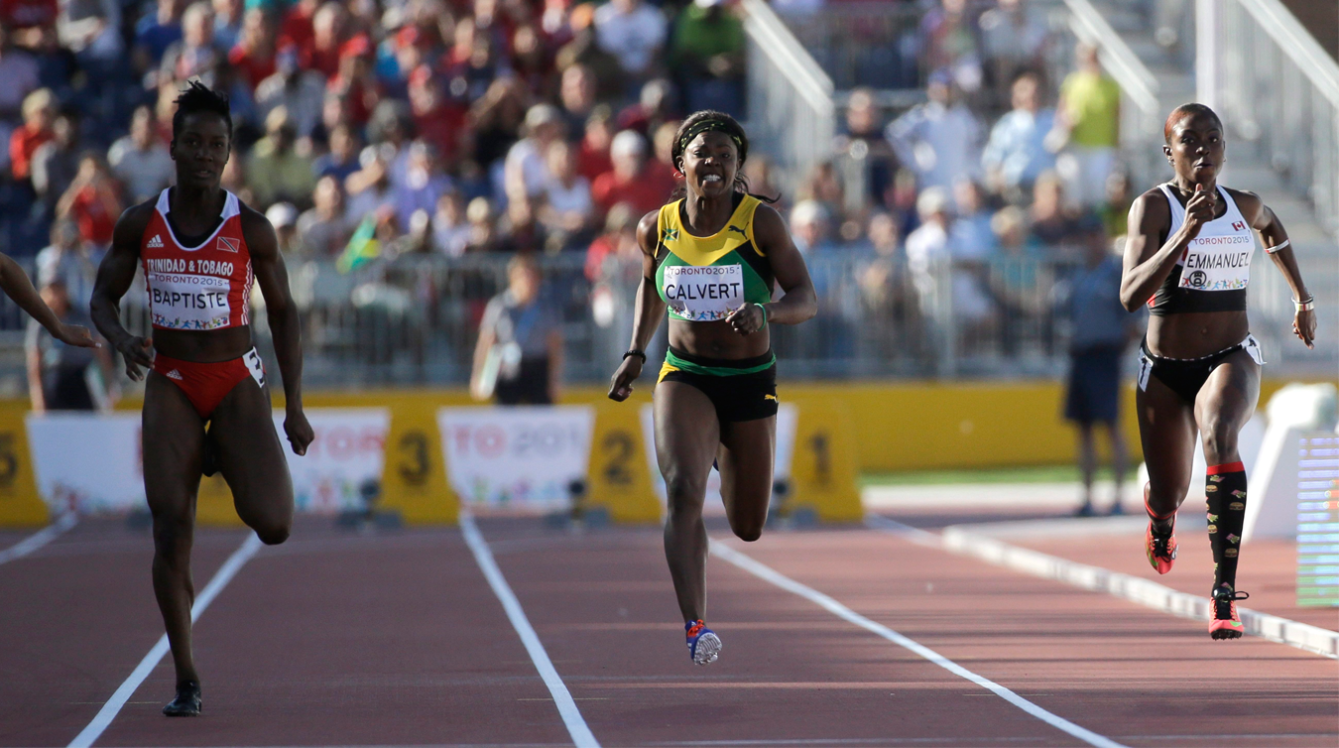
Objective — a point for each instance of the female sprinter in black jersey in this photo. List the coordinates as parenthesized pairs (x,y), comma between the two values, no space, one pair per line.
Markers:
(1188,257)
(713,258)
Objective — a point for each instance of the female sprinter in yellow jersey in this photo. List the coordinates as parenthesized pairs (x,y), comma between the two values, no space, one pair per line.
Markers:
(1188,256)
(713,258)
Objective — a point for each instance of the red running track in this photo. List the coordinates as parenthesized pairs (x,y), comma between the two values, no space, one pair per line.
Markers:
(396,639)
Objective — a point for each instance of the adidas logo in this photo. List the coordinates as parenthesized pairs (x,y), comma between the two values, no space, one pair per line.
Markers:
(156,242)
(174,374)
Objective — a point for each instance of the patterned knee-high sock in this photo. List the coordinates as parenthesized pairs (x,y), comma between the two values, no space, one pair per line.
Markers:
(1225,493)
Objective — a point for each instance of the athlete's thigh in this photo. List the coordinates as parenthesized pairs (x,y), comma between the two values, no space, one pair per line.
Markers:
(251,457)
(172,437)
(1227,399)
(745,458)
(687,434)
(1167,433)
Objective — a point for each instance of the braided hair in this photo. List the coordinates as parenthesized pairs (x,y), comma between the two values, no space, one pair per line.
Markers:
(710,120)
(197,98)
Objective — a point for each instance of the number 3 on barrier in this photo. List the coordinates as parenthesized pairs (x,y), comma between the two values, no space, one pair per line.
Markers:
(20,503)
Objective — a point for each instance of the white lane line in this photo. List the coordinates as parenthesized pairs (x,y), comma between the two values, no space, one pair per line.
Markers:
(39,538)
(567,708)
(907,532)
(769,574)
(969,540)
(113,706)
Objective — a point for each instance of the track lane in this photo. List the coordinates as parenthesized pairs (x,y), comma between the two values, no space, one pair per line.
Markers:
(78,614)
(340,638)
(789,671)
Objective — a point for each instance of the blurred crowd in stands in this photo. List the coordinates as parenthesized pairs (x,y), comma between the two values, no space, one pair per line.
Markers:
(383,127)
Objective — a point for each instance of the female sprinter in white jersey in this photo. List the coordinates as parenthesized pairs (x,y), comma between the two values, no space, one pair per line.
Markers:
(1188,257)
(201,249)
(713,259)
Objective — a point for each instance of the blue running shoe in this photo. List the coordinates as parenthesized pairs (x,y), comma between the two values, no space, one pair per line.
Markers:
(703,643)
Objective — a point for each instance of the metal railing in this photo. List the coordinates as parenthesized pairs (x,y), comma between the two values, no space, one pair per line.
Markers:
(415,320)
(790,104)
(1278,92)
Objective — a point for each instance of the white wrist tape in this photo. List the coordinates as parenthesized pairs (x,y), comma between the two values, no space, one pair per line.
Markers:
(1277,247)
(1305,306)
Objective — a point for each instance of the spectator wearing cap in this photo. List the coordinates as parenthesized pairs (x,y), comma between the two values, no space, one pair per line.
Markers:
(253,57)
(323,230)
(1016,153)
(627,181)
(140,160)
(1102,332)
(633,32)
(810,224)
(928,252)
(39,114)
(435,119)
(196,55)
(527,170)
(939,139)
(355,81)
(566,207)
(301,92)
(276,170)
(706,52)
(284,218)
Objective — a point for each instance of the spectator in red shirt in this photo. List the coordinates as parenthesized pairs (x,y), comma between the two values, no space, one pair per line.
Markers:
(253,56)
(593,153)
(329,29)
(92,201)
(296,28)
(629,182)
(355,81)
(39,113)
(437,123)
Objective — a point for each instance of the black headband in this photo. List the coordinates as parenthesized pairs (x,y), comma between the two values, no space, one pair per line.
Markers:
(709,125)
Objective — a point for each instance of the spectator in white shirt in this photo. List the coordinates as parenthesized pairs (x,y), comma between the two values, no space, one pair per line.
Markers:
(929,254)
(939,139)
(142,163)
(632,32)
(526,170)
(567,207)
(450,226)
(1016,153)
(323,231)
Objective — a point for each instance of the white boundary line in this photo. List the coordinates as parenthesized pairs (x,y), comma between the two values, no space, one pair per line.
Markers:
(567,708)
(768,574)
(39,538)
(113,706)
(961,539)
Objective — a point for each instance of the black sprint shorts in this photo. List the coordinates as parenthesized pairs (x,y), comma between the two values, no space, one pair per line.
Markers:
(738,397)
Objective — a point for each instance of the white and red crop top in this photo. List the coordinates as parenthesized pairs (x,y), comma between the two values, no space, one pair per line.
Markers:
(197,288)
(1212,273)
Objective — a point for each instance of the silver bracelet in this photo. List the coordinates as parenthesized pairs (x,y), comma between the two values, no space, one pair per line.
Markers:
(1305,306)
(1278,247)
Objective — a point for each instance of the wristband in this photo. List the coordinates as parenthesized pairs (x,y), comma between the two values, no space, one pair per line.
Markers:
(1277,247)
(1305,306)
(762,309)
(635,352)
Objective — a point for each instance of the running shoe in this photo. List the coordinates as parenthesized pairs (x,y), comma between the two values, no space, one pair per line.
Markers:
(187,703)
(1160,548)
(703,643)
(1225,624)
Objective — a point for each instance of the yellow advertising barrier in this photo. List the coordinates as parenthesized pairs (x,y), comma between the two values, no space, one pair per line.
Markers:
(20,503)
(619,479)
(413,482)
(824,469)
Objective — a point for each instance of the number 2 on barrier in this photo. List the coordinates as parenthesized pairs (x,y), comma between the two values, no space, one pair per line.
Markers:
(619,447)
